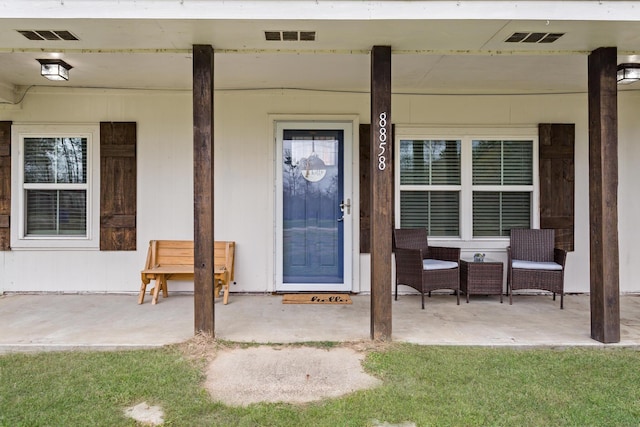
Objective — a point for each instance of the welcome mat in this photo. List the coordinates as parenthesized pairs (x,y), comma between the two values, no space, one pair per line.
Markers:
(316,299)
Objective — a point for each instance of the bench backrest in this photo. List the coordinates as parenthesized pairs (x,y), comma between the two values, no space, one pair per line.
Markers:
(180,252)
(171,252)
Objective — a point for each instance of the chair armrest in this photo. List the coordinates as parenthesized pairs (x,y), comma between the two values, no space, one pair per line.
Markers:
(424,252)
(444,253)
(560,256)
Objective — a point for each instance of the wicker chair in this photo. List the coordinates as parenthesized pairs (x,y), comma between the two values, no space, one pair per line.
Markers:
(423,267)
(534,263)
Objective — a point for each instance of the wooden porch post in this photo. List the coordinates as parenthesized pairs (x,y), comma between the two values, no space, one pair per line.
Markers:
(203,188)
(381,192)
(603,195)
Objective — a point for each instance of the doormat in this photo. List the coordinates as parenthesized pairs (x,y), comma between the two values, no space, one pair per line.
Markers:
(316,299)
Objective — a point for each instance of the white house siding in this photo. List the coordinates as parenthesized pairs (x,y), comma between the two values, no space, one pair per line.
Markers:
(244,175)
(165,186)
(628,190)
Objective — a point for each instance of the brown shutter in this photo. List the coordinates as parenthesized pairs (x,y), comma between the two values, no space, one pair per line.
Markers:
(556,167)
(118,186)
(5,185)
(365,187)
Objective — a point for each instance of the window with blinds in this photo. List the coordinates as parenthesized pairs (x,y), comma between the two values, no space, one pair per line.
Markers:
(502,175)
(437,211)
(430,186)
(490,178)
(55,186)
(495,213)
(502,162)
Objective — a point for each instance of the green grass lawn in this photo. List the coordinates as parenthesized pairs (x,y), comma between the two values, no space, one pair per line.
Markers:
(428,386)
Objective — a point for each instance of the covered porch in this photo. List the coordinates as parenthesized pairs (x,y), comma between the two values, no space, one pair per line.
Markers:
(511,85)
(40,322)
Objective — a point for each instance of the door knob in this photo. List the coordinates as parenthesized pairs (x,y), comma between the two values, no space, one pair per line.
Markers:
(347,205)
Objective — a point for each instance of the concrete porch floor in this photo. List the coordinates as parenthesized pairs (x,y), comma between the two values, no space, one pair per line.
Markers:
(115,321)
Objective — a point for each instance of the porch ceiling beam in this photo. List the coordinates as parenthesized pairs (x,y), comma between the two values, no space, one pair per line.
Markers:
(264,10)
(434,52)
(603,195)
(203,188)
(381,165)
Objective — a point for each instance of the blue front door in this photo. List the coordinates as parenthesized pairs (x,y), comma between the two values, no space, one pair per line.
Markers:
(313,208)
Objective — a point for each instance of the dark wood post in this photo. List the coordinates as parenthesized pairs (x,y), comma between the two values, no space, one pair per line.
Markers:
(203,188)
(5,185)
(381,192)
(603,195)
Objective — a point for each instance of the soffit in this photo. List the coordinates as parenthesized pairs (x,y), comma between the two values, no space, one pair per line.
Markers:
(440,56)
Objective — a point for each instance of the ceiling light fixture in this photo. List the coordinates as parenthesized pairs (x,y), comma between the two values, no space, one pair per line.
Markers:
(54,69)
(628,73)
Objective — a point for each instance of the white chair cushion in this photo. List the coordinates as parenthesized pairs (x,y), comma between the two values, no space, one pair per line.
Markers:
(436,264)
(534,265)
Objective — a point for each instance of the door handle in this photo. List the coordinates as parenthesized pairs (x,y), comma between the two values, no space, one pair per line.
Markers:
(347,205)
(344,205)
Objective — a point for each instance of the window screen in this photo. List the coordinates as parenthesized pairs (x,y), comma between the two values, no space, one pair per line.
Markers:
(55,186)
(429,186)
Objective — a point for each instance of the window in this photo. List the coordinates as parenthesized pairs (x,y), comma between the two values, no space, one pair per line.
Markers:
(502,186)
(430,186)
(466,185)
(53,185)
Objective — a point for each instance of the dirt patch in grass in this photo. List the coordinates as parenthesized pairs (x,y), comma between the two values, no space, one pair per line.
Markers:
(201,348)
(294,374)
(239,374)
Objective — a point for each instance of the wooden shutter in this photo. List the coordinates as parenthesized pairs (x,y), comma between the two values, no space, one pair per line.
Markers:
(5,185)
(557,190)
(365,189)
(118,182)
(365,186)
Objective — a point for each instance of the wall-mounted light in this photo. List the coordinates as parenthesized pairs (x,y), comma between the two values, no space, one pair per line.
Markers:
(54,69)
(628,73)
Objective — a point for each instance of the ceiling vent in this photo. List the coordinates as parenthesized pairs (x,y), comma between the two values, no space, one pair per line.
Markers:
(48,35)
(290,36)
(534,37)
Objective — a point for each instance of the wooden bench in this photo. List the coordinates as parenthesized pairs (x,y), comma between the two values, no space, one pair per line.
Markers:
(173,259)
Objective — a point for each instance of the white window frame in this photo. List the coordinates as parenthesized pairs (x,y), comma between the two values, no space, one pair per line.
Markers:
(466,135)
(19,240)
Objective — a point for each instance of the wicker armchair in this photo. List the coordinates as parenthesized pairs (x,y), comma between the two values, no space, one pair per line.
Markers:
(534,263)
(423,267)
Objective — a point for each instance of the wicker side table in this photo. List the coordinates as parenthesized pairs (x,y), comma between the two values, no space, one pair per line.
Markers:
(481,278)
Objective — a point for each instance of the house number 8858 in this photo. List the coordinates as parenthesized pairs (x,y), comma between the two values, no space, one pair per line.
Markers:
(382,141)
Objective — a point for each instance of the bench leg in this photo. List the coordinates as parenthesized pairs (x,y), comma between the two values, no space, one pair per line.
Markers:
(143,289)
(156,291)
(225,300)
(165,290)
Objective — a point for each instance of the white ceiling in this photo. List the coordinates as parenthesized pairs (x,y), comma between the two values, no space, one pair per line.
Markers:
(443,56)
